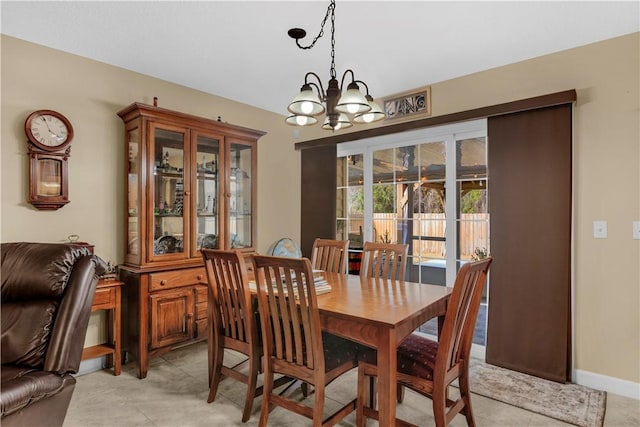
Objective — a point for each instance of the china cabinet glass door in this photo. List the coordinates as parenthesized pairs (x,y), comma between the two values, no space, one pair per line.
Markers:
(207,218)
(133,195)
(241,181)
(168,192)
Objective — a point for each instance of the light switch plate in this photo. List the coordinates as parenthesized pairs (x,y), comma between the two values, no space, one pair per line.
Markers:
(636,230)
(599,229)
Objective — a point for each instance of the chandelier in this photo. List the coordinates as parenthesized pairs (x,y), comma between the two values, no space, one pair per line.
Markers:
(309,104)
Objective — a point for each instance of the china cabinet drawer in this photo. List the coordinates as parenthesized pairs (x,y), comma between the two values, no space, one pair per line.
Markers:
(201,310)
(175,278)
(201,294)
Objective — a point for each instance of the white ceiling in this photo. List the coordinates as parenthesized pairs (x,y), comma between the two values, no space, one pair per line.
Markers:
(240,49)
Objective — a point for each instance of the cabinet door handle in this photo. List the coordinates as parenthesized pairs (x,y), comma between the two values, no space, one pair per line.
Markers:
(187,193)
(199,277)
(163,282)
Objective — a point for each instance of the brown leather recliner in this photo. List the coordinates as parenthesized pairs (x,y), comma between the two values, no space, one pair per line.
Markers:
(46,294)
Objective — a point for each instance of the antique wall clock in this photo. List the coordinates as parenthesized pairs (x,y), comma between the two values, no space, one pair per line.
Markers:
(49,136)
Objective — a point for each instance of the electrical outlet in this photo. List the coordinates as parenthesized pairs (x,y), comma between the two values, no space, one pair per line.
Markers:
(599,229)
(636,230)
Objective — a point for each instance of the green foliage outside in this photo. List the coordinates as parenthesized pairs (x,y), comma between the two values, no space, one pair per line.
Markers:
(473,202)
(383,199)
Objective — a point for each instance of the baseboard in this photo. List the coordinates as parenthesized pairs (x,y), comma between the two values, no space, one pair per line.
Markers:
(92,365)
(608,384)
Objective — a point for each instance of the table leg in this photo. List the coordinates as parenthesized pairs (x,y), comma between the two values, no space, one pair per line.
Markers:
(387,362)
(440,325)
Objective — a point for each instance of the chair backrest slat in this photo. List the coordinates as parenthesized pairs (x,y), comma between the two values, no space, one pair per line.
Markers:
(289,311)
(227,274)
(330,255)
(384,260)
(464,303)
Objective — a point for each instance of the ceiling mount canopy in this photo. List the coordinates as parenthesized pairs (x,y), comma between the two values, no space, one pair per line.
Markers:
(313,100)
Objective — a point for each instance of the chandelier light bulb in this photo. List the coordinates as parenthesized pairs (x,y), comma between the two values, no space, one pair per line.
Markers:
(306,107)
(352,108)
(368,117)
(301,120)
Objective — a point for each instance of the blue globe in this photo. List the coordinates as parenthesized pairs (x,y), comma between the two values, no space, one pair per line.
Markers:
(285,247)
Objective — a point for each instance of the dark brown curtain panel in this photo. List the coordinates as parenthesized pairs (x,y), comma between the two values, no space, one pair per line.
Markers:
(529,323)
(318,195)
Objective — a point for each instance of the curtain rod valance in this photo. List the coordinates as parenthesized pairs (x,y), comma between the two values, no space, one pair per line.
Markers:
(549,100)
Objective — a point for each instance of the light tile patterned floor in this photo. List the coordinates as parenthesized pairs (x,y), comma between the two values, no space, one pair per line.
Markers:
(175,392)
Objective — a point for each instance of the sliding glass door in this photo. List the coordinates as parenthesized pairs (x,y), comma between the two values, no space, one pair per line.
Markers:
(394,189)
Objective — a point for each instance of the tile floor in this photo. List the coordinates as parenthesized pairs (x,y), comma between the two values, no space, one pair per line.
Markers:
(175,392)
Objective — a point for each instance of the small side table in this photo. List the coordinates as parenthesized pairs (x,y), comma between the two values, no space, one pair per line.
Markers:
(107,297)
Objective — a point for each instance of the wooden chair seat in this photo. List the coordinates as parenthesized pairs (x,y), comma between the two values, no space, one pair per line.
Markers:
(416,356)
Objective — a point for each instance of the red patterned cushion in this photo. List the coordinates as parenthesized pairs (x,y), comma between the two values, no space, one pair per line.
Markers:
(416,356)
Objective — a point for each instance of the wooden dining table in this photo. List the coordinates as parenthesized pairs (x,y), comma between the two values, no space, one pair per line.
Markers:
(380,313)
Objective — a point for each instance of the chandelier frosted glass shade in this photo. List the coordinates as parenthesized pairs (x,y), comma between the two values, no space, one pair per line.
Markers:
(306,103)
(375,114)
(353,101)
(343,123)
(301,120)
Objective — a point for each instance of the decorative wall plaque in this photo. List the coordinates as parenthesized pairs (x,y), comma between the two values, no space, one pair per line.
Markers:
(408,105)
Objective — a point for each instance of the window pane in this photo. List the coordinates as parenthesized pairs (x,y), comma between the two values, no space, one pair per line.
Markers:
(355,169)
(473,197)
(471,160)
(432,161)
(473,216)
(473,233)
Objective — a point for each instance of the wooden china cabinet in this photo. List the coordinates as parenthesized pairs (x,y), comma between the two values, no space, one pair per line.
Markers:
(190,184)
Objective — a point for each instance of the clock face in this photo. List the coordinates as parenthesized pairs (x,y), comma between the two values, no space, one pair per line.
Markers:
(48,130)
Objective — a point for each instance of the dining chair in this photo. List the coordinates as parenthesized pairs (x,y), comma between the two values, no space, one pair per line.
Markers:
(294,344)
(233,324)
(429,367)
(330,255)
(386,260)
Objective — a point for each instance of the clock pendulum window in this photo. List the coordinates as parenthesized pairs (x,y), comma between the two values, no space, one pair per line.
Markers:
(49,136)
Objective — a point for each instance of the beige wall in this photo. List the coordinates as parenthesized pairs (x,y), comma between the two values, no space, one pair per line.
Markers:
(606,165)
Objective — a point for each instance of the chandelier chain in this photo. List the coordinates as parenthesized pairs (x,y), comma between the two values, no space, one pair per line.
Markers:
(330,11)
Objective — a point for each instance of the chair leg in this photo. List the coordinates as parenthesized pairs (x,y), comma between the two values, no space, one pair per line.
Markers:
(400,393)
(465,395)
(215,369)
(362,397)
(267,389)
(318,405)
(254,366)
(306,390)
(439,406)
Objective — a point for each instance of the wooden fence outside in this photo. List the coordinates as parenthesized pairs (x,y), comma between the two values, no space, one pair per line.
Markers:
(473,232)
